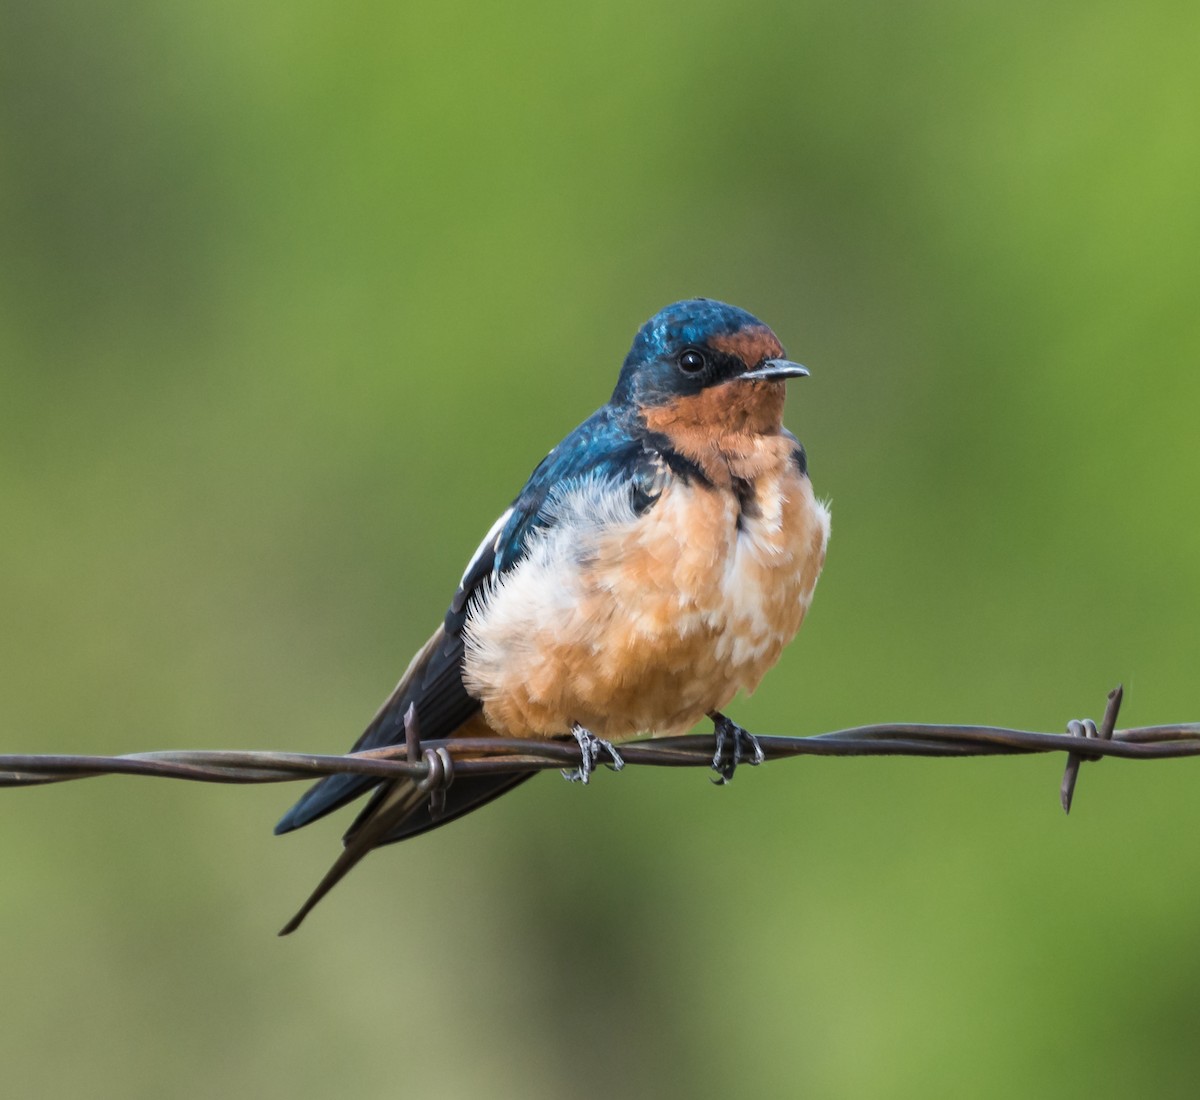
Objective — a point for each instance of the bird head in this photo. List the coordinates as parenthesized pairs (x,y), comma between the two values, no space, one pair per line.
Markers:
(706,363)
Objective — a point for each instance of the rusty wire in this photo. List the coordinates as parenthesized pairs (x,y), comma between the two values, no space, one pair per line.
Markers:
(436,763)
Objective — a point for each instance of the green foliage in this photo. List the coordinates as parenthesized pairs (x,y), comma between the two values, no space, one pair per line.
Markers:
(292,298)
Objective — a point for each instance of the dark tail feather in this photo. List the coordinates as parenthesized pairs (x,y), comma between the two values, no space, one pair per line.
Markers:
(398,802)
(395,812)
(322,798)
(464,796)
(433,684)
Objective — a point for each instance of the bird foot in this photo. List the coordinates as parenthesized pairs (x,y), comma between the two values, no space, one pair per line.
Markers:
(590,749)
(742,747)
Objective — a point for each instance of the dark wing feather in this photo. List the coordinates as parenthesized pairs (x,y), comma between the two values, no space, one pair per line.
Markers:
(433,683)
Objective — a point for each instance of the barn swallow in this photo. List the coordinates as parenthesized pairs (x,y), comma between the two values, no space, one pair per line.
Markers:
(656,561)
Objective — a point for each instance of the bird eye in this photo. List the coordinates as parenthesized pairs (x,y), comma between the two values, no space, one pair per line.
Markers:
(691,361)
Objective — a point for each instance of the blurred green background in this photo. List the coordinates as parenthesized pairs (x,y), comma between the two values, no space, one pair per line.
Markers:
(294,296)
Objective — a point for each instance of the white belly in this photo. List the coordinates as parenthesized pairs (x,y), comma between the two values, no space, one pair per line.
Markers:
(629,624)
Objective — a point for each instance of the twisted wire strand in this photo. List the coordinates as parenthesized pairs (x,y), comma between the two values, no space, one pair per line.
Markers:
(437,762)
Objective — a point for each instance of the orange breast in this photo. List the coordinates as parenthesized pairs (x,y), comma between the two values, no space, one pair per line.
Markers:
(629,624)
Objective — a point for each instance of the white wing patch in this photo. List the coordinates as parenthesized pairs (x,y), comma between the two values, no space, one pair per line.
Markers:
(492,540)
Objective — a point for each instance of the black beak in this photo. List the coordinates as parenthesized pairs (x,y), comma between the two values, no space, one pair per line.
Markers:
(776,370)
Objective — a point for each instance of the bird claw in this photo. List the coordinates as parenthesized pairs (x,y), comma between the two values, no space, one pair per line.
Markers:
(590,749)
(743,747)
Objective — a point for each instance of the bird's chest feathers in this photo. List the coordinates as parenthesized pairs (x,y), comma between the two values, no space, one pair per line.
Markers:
(627,623)
(721,574)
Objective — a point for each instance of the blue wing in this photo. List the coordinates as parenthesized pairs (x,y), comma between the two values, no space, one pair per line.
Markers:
(602,445)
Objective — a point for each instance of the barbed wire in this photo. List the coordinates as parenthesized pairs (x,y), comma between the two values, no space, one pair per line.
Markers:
(436,763)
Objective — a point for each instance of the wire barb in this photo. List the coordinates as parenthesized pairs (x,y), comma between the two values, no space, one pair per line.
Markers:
(1086,728)
(439,764)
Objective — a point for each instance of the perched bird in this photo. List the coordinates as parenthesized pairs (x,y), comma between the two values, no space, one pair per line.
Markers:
(656,562)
